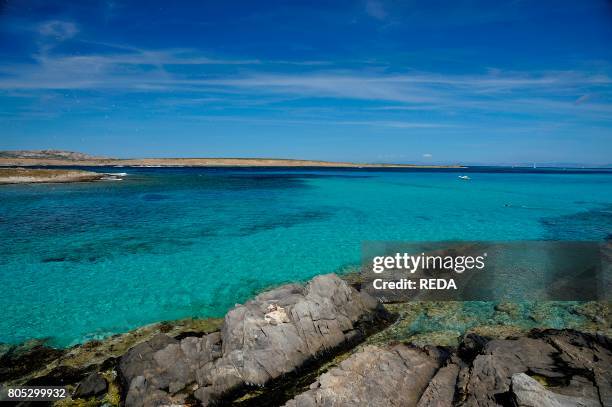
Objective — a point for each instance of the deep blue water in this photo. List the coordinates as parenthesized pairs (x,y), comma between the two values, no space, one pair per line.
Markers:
(82,261)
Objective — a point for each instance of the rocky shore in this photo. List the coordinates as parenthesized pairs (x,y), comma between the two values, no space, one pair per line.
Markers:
(320,344)
(29,175)
(481,372)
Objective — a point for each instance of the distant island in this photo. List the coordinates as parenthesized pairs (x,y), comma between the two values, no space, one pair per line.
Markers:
(26,158)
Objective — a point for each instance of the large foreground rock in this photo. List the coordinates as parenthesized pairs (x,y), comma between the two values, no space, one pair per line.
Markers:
(273,334)
(282,329)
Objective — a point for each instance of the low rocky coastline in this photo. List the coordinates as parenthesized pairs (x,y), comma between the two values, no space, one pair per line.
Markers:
(325,343)
(30,175)
(25,158)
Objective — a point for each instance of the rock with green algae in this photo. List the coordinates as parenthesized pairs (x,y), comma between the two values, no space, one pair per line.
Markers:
(512,309)
(597,313)
(497,331)
(33,360)
(19,361)
(112,397)
(34,363)
(440,338)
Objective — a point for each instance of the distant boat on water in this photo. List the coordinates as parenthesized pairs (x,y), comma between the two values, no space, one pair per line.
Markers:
(464,177)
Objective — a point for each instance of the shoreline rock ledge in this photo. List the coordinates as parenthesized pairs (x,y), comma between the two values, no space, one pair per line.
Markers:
(272,335)
(312,345)
(546,368)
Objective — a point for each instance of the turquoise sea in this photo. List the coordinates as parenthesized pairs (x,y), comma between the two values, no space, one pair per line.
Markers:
(83,261)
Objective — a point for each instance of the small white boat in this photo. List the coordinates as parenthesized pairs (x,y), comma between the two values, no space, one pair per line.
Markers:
(465,177)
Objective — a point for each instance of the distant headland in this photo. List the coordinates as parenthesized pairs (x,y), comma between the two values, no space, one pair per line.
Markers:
(19,175)
(25,158)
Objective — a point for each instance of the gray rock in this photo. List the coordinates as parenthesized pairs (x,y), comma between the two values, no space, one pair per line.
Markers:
(280,330)
(160,371)
(374,376)
(92,385)
(492,370)
(582,352)
(527,392)
(578,362)
(488,377)
(579,386)
(441,389)
(140,358)
(141,393)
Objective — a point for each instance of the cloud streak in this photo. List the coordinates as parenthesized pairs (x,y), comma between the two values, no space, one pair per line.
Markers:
(231,83)
(144,68)
(318,122)
(59,30)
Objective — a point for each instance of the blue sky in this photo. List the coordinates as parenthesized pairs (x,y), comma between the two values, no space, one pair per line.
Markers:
(373,80)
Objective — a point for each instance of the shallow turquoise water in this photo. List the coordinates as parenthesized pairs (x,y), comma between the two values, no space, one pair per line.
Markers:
(82,261)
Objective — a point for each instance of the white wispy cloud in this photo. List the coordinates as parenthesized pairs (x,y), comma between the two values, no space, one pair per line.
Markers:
(318,122)
(349,85)
(150,68)
(232,82)
(59,30)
